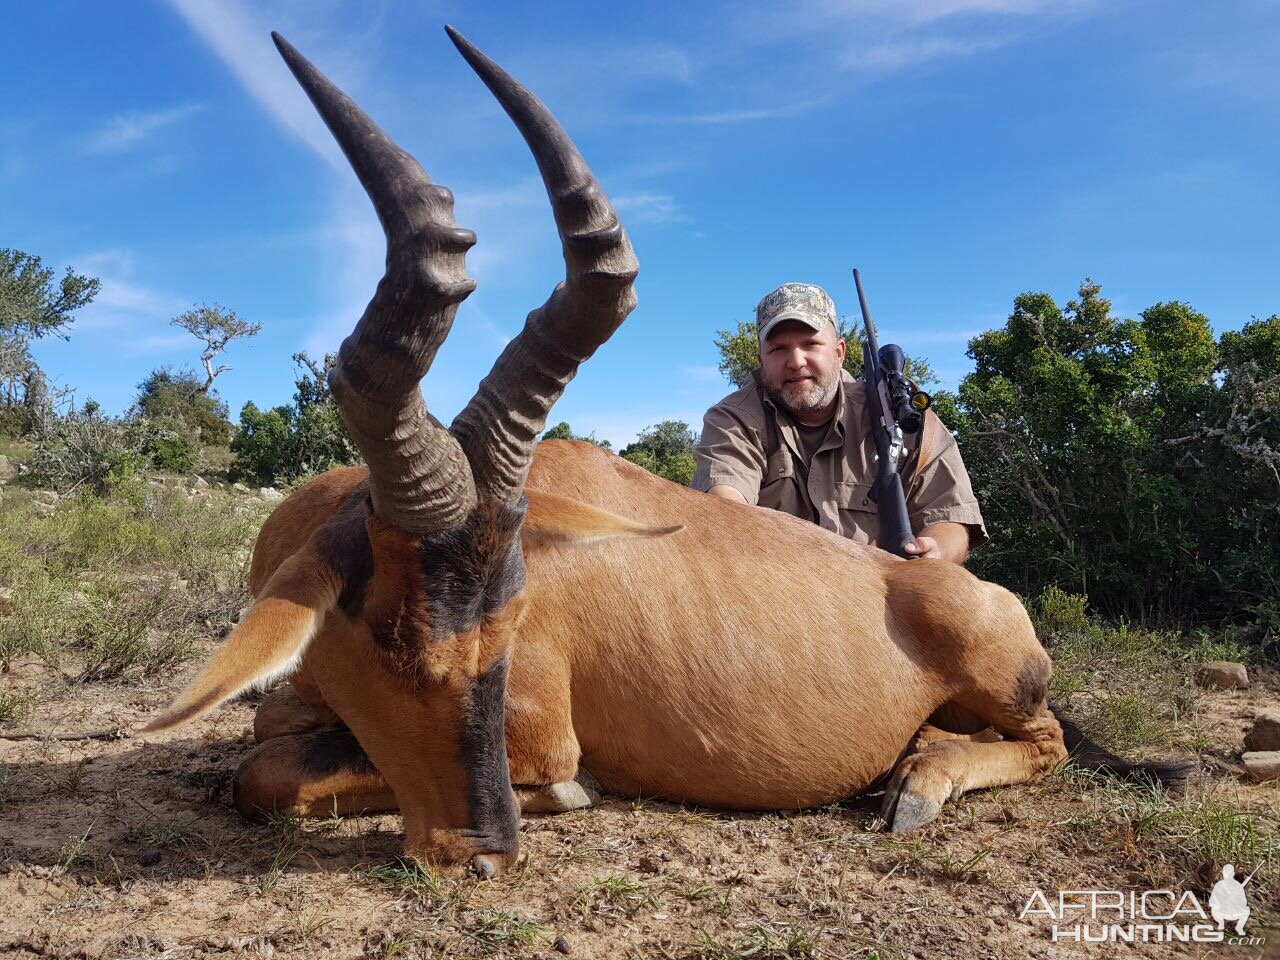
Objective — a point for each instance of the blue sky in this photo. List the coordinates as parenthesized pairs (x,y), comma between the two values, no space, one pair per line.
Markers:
(959,152)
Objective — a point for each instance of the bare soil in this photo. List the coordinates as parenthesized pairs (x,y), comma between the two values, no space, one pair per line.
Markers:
(131,849)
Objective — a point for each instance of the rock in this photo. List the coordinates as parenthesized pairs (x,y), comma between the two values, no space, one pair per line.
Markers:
(43,509)
(8,469)
(239,488)
(561,946)
(1262,765)
(270,495)
(44,496)
(197,482)
(1222,675)
(1264,735)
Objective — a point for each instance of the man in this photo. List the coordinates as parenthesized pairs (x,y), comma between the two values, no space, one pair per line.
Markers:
(796,438)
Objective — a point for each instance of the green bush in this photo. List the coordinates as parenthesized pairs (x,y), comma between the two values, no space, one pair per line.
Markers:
(86,449)
(665,449)
(167,395)
(286,443)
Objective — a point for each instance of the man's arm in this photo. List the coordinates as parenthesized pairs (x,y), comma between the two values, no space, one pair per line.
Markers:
(941,541)
(730,460)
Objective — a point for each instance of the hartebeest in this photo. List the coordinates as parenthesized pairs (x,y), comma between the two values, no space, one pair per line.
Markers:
(467,624)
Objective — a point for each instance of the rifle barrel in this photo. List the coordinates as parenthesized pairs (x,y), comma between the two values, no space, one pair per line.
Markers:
(872,339)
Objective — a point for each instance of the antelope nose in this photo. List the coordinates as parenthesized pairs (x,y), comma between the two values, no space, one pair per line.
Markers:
(485,866)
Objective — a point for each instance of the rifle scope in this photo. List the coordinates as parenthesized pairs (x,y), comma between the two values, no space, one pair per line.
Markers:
(909,402)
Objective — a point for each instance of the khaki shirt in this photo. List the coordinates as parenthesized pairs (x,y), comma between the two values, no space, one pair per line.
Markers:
(749,444)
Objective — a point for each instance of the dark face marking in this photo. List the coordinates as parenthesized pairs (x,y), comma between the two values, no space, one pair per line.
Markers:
(474,569)
(1032,688)
(482,750)
(328,752)
(345,545)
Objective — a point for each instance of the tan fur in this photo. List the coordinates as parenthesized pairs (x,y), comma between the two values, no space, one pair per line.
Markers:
(748,661)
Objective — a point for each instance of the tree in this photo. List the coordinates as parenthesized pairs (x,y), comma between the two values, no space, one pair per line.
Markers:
(178,395)
(562,431)
(32,305)
(216,327)
(665,449)
(740,354)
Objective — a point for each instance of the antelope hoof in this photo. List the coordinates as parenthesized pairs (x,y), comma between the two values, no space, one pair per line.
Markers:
(911,810)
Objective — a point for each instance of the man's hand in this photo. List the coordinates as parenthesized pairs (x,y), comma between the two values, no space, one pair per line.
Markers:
(940,541)
(926,548)
(726,492)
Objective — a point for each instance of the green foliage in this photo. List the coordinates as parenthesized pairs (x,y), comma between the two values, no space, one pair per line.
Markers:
(562,431)
(739,350)
(166,394)
(289,442)
(32,305)
(86,449)
(1133,462)
(665,449)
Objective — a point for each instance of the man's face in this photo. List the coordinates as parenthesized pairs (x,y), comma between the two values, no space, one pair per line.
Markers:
(801,368)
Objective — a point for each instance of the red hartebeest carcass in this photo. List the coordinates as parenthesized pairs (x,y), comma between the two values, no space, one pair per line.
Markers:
(468,623)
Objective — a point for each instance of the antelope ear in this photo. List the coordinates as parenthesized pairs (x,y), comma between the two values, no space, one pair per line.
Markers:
(563,521)
(266,644)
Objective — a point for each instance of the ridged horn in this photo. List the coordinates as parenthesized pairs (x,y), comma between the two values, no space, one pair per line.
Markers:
(419,478)
(499,427)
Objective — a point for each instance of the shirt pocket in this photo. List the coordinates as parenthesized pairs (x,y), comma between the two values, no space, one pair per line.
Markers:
(859,517)
(778,485)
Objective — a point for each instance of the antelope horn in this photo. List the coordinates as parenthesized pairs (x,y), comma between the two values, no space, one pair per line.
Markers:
(500,425)
(419,479)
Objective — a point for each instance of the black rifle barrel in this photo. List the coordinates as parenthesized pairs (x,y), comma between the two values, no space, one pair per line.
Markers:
(891,501)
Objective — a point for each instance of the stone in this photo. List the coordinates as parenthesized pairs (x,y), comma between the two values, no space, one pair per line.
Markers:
(197,482)
(8,469)
(1222,675)
(1264,735)
(270,495)
(562,946)
(1262,765)
(239,488)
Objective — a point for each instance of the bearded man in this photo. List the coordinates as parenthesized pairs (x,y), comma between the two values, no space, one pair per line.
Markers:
(797,438)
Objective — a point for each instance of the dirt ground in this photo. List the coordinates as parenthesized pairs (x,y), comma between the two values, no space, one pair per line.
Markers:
(128,848)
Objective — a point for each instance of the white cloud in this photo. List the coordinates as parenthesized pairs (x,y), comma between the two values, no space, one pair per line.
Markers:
(719,118)
(159,343)
(649,208)
(900,54)
(127,130)
(244,45)
(123,302)
(701,373)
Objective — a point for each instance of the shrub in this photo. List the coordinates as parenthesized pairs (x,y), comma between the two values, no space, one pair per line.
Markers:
(87,449)
(168,395)
(123,584)
(286,443)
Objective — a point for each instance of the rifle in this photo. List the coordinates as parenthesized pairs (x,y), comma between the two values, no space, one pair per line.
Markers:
(896,405)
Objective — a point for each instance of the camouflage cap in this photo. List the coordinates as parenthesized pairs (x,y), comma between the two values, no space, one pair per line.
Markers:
(805,302)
